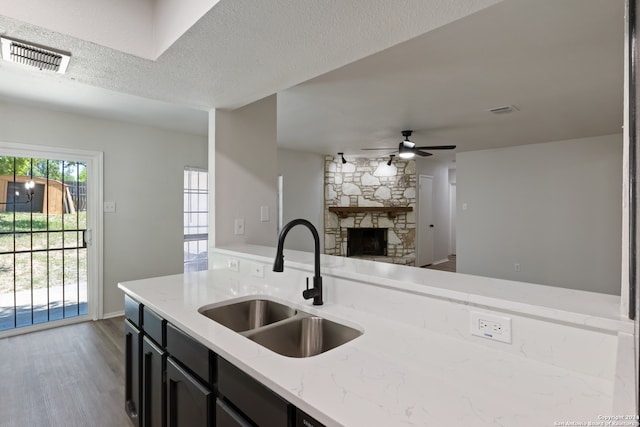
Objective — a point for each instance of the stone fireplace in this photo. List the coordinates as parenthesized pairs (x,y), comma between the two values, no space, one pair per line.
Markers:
(369,194)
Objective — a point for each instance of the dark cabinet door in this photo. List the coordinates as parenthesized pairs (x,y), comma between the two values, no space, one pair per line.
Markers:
(227,417)
(133,392)
(153,389)
(189,403)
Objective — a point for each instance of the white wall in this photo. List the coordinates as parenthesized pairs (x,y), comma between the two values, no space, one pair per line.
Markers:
(439,170)
(143,174)
(554,208)
(303,195)
(243,150)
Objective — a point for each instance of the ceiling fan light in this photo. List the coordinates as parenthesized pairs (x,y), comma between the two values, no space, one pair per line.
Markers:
(404,151)
(408,144)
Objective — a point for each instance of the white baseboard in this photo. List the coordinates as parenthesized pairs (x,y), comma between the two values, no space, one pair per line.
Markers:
(440,261)
(113,314)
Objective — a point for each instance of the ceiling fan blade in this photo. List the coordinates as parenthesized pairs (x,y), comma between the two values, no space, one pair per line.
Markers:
(377,149)
(422,153)
(437,147)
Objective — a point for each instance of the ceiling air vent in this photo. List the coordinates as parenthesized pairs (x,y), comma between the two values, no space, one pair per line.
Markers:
(503,109)
(41,57)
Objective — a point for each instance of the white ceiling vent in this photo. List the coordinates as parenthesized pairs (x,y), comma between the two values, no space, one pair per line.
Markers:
(41,57)
(503,109)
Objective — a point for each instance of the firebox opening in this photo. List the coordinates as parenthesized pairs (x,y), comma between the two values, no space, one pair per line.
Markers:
(367,242)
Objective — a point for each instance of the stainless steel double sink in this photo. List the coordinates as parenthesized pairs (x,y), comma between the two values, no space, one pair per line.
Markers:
(280,328)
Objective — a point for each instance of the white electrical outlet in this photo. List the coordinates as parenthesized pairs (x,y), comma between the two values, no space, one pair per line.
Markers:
(490,326)
(109,207)
(516,267)
(233,264)
(257,270)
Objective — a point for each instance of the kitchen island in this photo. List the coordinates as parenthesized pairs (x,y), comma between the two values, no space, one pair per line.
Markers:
(416,362)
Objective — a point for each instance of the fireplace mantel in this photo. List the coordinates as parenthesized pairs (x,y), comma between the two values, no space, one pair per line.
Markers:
(392,211)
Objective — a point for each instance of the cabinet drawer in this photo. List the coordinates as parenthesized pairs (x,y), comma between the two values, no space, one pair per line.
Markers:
(305,420)
(190,353)
(256,401)
(154,326)
(227,417)
(132,310)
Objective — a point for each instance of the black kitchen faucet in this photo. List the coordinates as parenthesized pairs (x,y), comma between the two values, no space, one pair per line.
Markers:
(278,265)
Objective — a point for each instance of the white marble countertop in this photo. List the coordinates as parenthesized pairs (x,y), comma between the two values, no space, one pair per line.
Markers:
(392,375)
(583,308)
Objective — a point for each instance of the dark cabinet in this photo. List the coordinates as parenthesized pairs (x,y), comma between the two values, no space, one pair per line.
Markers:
(153,386)
(189,403)
(305,420)
(259,404)
(133,393)
(227,417)
(196,357)
(173,380)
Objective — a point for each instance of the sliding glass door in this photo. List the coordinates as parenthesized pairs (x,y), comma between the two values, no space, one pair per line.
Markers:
(43,254)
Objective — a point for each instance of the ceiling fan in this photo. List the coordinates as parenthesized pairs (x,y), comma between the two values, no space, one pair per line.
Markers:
(407,149)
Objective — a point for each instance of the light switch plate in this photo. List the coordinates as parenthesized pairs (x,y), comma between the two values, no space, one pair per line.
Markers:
(238,229)
(264,213)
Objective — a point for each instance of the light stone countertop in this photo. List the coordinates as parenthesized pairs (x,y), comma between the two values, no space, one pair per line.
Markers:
(583,308)
(394,374)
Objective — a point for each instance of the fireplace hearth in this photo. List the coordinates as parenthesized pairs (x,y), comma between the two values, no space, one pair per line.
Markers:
(366,242)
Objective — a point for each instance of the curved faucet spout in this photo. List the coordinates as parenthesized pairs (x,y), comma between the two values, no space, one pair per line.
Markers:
(278,264)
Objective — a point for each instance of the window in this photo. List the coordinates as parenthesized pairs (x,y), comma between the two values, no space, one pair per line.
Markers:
(196,213)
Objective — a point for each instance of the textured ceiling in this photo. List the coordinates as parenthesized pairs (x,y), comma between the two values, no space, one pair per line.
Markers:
(238,52)
(559,62)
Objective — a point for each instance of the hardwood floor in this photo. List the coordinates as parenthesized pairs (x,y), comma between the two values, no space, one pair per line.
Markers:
(67,376)
(444,266)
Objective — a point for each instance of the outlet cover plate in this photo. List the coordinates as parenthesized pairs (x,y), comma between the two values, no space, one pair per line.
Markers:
(490,326)
(109,207)
(233,264)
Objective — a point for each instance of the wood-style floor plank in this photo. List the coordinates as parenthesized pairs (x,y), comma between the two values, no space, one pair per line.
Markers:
(67,376)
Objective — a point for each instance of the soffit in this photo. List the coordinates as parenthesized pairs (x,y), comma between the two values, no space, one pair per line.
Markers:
(238,52)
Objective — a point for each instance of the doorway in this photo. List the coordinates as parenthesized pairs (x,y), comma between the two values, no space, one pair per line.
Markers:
(47,257)
(425,224)
(452,218)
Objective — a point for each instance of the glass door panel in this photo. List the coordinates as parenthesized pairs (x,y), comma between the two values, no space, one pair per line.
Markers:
(43,259)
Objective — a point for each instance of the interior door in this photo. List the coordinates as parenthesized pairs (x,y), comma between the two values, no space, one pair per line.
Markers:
(426,226)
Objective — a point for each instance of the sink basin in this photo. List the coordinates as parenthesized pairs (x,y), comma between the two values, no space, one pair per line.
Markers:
(280,328)
(304,336)
(246,315)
